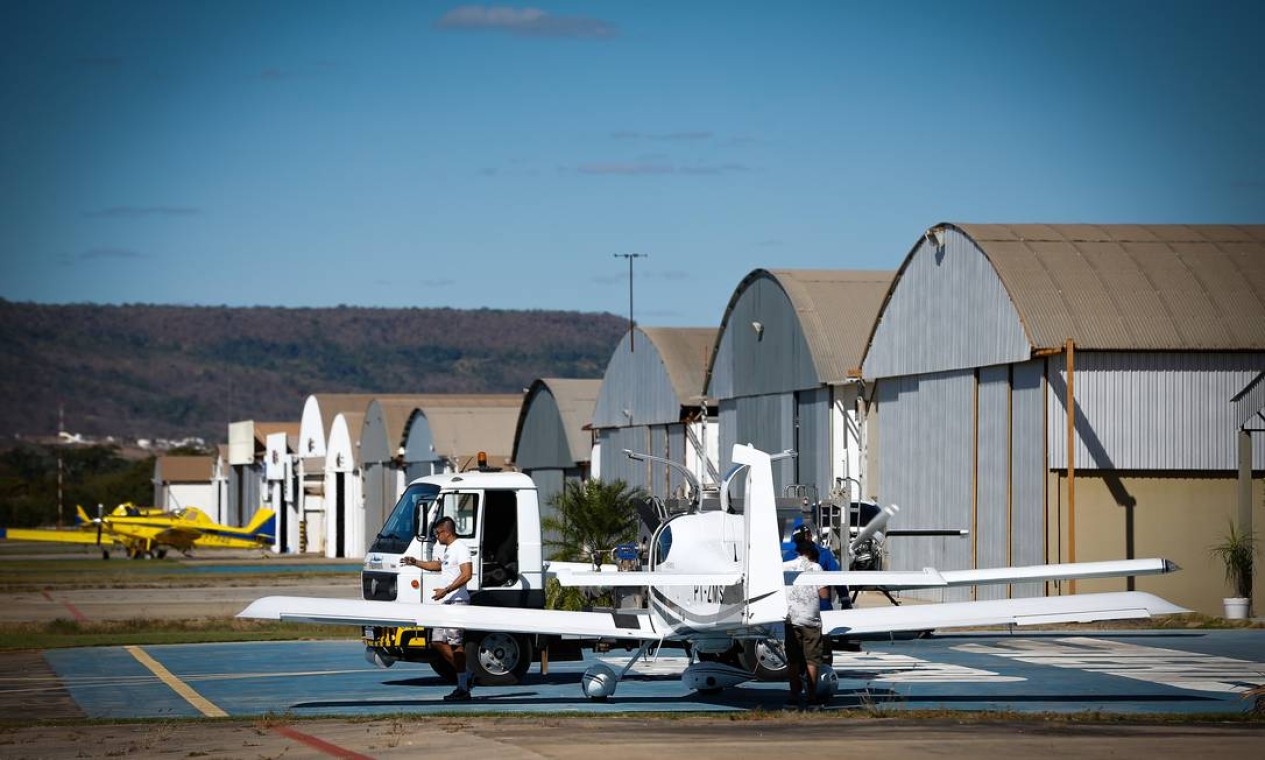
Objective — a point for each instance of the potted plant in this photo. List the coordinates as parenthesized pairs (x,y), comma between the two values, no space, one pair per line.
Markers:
(1237,551)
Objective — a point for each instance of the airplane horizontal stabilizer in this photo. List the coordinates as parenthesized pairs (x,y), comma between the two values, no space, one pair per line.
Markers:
(48,534)
(656,578)
(1079,608)
(889,579)
(300,609)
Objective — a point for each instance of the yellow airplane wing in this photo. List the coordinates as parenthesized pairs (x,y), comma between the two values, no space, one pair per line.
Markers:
(49,534)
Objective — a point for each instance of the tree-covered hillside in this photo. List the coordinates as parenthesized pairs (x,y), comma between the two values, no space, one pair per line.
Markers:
(176,371)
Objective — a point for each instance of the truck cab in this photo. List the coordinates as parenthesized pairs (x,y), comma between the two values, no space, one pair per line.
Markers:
(497,517)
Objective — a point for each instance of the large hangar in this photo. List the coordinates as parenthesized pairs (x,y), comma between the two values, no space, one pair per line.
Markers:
(784,371)
(1156,334)
(553,441)
(652,402)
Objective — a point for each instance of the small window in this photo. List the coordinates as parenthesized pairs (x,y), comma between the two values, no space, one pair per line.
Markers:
(663,544)
(463,509)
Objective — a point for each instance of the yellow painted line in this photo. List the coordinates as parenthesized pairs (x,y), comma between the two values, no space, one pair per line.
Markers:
(203,704)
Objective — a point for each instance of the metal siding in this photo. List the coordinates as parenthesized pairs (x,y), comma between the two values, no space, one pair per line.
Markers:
(813,444)
(774,359)
(1028,471)
(947,311)
(1151,411)
(768,423)
(728,433)
(636,381)
(926,429)
(617,466)
(991,512)
(543,439)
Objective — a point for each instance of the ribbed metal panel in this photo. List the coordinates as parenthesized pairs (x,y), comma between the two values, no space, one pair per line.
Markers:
(767,351)
(768,423)
(617,466)
(728,432)
(813,440)
(926,435)
(1249,403)
(1028,471)
(1133,287)
(947,311)
(990,534)
(541,438)
(1152,410)
(636,389)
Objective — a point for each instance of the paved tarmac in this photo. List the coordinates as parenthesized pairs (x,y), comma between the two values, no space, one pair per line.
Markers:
(1124,673)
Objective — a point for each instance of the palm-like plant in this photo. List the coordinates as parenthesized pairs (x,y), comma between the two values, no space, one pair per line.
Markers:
(1237,550)
(590,518)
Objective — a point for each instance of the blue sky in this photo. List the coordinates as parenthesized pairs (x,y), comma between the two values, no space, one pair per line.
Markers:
(441,154)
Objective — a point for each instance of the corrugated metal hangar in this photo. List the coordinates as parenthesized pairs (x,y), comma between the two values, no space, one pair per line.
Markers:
(784,371)
(652,402)
(553,442)
(1150,331)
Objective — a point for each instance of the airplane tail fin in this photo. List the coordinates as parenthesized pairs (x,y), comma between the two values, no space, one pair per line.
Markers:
(263,526)
(766,587)
(81,517)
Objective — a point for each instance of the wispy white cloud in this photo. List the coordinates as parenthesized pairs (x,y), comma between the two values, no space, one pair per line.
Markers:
(93,254)
(625,134)
(136,212)
(526,22)
(635,168)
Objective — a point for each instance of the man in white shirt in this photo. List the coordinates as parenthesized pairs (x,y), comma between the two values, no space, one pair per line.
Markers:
(803,625)
(456,569)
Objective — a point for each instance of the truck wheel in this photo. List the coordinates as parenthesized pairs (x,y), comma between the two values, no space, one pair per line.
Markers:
(443,669)
(766,659)
(499,659)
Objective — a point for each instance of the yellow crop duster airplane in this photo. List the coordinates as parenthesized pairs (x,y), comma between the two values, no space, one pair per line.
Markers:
(147,532)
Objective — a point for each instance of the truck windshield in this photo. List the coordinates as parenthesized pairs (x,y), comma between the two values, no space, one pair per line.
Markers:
(401,525)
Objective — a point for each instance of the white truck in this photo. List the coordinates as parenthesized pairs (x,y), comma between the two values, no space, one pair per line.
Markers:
(497,515)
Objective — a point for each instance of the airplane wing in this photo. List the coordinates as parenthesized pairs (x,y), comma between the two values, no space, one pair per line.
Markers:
(648,578)
(1079,608)
(931,578)
(50,534)
(510,619)
(888,579)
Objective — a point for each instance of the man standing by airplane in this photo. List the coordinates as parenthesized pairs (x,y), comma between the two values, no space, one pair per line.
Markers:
(456,569)
(803,626)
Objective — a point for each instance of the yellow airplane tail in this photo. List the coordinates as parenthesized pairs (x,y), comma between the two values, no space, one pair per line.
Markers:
(81,517)
(263,526)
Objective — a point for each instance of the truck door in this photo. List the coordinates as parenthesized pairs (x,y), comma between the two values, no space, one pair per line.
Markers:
(499,539)
(463,508)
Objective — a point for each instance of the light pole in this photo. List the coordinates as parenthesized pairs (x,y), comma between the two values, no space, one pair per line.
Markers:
(632,336)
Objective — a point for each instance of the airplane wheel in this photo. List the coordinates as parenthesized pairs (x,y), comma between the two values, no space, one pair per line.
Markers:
(766,659)
(499,659)
(105,554)
(162,553)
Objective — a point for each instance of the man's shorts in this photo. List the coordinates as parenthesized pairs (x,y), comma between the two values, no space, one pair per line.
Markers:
(450,636)
(803,645)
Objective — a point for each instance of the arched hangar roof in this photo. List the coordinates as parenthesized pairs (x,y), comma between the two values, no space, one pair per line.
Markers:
(1106,287)
(387,417)
(652,375)
(813,326)
(551,429)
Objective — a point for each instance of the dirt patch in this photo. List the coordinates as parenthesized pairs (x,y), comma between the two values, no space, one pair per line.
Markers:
(29,687)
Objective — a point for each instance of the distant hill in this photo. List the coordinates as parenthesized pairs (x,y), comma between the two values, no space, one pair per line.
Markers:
(174,371)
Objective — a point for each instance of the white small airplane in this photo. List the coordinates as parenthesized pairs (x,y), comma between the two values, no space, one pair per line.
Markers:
(716,582)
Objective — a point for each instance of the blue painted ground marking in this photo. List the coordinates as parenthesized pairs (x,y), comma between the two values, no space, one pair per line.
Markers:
(1042,672)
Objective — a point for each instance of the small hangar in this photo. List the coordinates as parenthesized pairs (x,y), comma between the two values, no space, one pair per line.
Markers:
(1071,393)
(651,401)
(784,372)
(553,441)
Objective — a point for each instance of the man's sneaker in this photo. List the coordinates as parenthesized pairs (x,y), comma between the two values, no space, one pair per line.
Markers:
(458,695)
